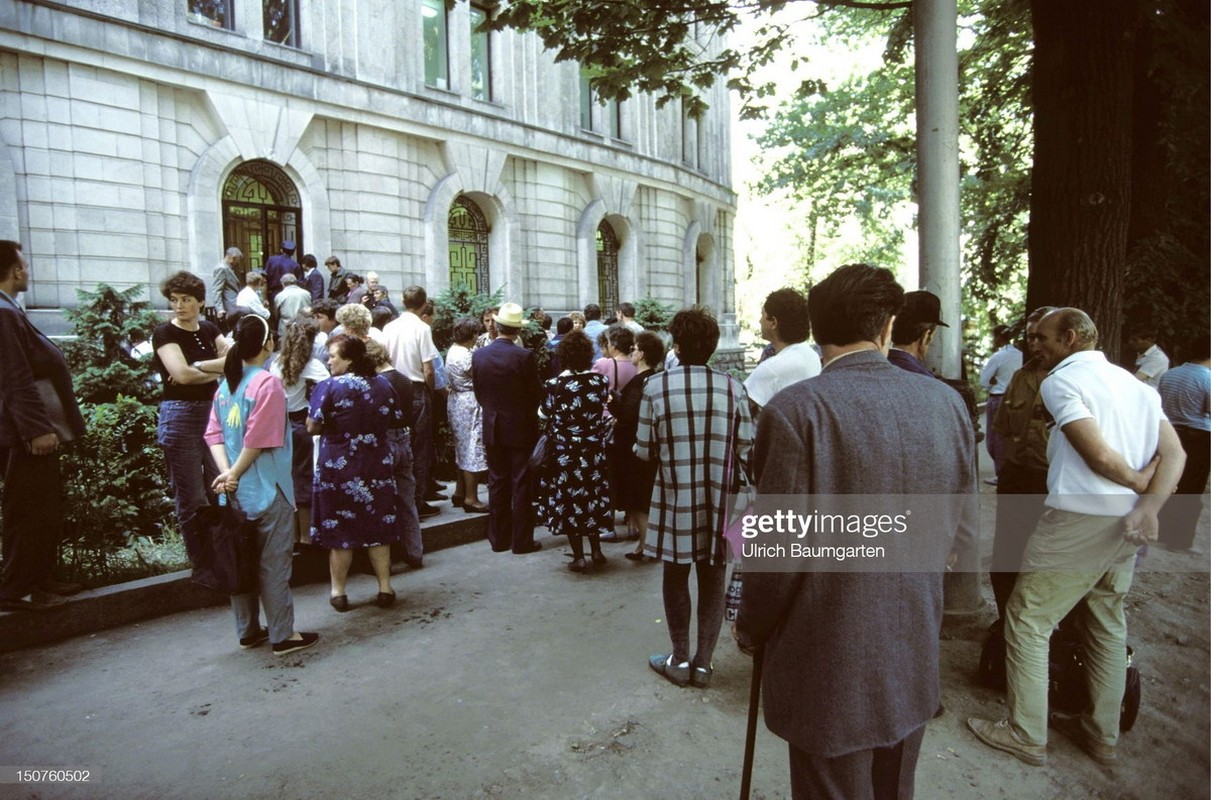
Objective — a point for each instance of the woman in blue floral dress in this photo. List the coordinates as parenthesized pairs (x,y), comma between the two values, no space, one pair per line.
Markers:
(575,498)
(353,499)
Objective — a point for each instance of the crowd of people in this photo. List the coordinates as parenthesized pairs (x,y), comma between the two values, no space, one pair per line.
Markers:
(313,411)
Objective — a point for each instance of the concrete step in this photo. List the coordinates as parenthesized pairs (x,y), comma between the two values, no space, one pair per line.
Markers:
(127,603)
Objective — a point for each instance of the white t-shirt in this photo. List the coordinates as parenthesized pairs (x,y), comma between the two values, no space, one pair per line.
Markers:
(999,369)
(1152,364)
(249,299)
(1128,414)
(410,344)
(793,363)
(296,395)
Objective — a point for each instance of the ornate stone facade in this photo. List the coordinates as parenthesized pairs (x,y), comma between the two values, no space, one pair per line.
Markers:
(138,137)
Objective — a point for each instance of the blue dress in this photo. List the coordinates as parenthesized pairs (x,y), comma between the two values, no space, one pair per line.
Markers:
(353,497)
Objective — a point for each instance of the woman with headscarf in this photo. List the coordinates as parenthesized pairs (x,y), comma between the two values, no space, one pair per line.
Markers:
(353,499)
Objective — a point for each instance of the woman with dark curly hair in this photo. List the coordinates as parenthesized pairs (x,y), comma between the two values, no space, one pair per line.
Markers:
(694,422)
(574,497)
(353,500)
(300,371)
(189,354)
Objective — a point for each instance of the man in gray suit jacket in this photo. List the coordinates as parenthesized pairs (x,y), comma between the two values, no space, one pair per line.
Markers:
(851,658)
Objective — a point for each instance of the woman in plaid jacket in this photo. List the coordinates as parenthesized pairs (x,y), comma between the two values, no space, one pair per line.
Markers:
(695,421)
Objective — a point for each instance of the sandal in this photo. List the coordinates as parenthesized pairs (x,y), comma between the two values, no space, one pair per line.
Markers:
(676,674)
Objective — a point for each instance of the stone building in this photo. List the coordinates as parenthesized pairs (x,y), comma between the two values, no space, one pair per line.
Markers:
(138,137)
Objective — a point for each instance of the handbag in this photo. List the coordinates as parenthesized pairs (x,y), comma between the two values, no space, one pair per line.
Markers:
(538,456)
(54,409)
(221,542)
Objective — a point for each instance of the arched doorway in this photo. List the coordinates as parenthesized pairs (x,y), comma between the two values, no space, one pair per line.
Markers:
(261,209)
(607,268)
(469,232)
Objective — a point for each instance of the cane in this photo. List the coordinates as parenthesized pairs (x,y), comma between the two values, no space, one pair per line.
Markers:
(750,736)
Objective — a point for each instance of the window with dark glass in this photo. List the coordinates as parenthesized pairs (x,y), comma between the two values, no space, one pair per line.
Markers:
(433,31)
(212,12)
(281,21)
(586,99)
(481,55)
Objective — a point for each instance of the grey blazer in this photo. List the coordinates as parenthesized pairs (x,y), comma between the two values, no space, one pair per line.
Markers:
(852,658)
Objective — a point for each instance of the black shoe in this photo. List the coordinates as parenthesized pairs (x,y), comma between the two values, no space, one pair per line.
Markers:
(578,565)
(260,636)
(534,547)
(475,508)
(436,497)
(424,511)
(385,599)
(37,601)
(414,563)
(340,602)
(304,641)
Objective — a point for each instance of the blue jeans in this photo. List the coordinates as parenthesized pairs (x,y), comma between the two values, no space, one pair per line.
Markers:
(405,491)
(191,468)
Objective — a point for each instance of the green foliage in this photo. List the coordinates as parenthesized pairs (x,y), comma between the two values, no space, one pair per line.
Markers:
(652,314)
(106,322)
(455,303)
(114,481)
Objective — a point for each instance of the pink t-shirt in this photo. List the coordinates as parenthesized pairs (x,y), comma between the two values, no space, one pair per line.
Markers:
(266,426)
(626,371)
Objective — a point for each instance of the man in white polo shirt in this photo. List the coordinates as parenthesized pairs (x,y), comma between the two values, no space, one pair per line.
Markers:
(1114,459)
(409,342)
(785,324)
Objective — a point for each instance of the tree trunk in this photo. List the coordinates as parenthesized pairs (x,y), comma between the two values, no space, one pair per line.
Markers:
(1081,186)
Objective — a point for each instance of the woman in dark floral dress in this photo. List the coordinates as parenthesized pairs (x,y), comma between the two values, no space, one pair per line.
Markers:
(575,498)
(353,499)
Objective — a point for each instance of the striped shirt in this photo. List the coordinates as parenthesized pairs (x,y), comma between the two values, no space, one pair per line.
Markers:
(1186,396)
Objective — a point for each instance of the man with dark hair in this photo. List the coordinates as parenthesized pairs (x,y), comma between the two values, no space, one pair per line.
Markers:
(1006,359)
(313,279)
(1114,461)
(223,287)
(1152,362)
(337,289)
(38,413)
(1186,401)
(848,431)
(507,388)
(324,314)
(278,265)
(914,331)
(409,342)
(594,327)
(785,324)
(626,316)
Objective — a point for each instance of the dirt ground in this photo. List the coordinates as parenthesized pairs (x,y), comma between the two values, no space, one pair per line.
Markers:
(499,676)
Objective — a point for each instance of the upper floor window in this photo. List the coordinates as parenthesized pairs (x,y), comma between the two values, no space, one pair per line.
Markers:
(437,58)
(212,12)
(481,55)
(607,118)
(281,21)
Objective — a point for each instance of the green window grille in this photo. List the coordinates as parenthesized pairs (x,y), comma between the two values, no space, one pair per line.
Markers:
(468,228)
(607,267)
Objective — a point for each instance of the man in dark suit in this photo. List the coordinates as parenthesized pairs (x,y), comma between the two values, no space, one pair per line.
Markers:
(506,386)
(313,279)
(851,658)
(30,435)
(281,264)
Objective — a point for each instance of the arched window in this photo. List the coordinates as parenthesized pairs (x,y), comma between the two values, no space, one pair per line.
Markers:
(468,246)
(607,268)
(261,209)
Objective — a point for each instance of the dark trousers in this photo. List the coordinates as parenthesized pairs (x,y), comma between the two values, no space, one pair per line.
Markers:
(1179,517)
(510,517)
(994,441)
(33,520)
(422,439)
(1020,495)
(884,773)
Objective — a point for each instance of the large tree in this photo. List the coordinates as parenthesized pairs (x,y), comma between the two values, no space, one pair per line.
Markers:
(1091,59)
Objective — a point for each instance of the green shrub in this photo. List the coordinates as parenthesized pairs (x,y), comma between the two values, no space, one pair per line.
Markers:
(106,322)
(653,315)
(115,484)
(453,304)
